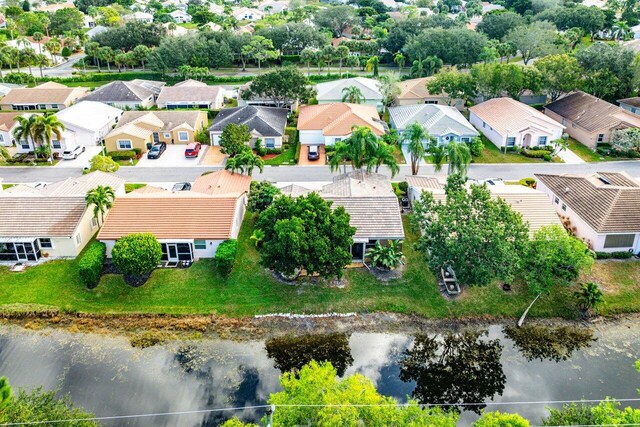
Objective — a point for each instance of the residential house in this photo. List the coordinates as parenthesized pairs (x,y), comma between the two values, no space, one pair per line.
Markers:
(189,224)
(509,123)
(216,8)
(329,123)
(247,14)
(490,7)
(145,17)
(90,121)
(588,119)
(332,92)
(51,8)
(67,139)
(98,29)
(442,122)
(266,123)
(631,104)
(270,7)
(180,16)
(8,123)
(414,91)
(5,88)
(178,30)
(601,208)
(191,94)
(211,26)
(245,99)
(141,129)
(127,95)
(46,96)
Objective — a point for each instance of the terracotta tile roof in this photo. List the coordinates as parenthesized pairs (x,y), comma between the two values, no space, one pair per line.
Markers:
(79,186)
(46,93)
(40,216)
(222,182)
(506,115)
(338,119)
(609,202)
(415,89)
(8,120)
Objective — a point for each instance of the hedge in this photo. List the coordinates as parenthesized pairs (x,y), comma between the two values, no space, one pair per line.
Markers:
(122,155)
(528,182)
(90,264)
(614,255)
(226,256)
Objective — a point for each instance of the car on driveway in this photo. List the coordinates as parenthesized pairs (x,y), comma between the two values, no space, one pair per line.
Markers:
(181,186)
(314,152)
(192,150)
(157,150)
(71,153)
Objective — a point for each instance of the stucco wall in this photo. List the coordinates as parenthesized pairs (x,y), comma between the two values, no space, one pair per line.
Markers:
(590,139)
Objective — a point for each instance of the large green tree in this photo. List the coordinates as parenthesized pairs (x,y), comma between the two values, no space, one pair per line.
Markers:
(336,18)
(131,35)
(610,71)
(137,255)
(561,74)
(283,86)
(234,139)
(455,46)
(293,37)
(453,84)
(534,40)
(498,419)
(497,24)
(66,19)
(261,195)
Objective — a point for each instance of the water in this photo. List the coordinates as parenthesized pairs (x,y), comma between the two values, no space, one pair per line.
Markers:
(108,377)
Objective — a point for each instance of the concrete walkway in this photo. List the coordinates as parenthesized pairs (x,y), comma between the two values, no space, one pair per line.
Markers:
(570,157)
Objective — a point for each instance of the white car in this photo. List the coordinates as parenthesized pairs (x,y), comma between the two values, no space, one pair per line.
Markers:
(72,152)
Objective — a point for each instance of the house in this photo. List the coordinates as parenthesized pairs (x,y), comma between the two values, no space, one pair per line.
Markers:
(5,88)
(247,14)
(46,96)
(68,139)
(141,129)
(271,6)
(509,123)
(177,30)
(414,91)
(442,122)
(145,17)
(588,119)
(90,121)
(189,224)
(211,26)
(332,92)
(602,208)
(245,98)
(180,16)
(191,94)
(329,123)
(8,123)
(98,29)
(267,123)
(216,8)
(127,95)
(631,104)
(490,7)
(71,187)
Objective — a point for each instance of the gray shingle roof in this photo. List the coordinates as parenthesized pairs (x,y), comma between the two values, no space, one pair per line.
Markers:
(40,216)
(120,91)
(267,121)
(436,119)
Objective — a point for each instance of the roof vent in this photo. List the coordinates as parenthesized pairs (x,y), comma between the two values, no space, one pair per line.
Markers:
(604,180)
(567,190)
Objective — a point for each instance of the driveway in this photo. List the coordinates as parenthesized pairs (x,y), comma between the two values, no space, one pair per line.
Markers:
(83,159)
(304,159)
(173,157)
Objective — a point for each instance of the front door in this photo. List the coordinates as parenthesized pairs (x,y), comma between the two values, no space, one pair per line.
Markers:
(21,252)
(357,251)
(156,137)
(172,252)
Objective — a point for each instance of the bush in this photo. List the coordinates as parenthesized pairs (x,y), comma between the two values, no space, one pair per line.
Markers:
(260,149)
(614,255)
(137,255)
(329,149)
(19,78)
(534,153)
(547,157)
(90,264)
(476,146)
(273,151)
(528,182)
(122,155)
(290,58)
(403,186)
(226,256)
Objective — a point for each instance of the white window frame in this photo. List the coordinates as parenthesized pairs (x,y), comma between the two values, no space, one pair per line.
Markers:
(78,239)
(564,207)
(180,138)
(465,139)
(270,142)
(1,137)
(55,142)
(541,139)
(197,242)
(94,222)
(506,142)
(121,141)
(600,137)
(46,247)
(167,134)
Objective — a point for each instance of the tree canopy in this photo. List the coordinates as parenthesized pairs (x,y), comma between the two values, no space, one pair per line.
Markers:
(455,46)
(131,35)
(283,86)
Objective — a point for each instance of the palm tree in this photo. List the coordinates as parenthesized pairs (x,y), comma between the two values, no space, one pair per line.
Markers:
(46,127)
(41,61)
(620,30)
(307,56)
(353,95)
(251,161)
(589,297)
(342,53)
(415,135)
(383,155)
(339,157)
(372,65)
(353,61)
(456,154)
(53,46)
(28,56)
(25,129)
(362,145)
(234,164)
(400,60)
(101,198)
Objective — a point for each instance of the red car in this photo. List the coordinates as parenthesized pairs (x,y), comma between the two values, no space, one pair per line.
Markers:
(192,150)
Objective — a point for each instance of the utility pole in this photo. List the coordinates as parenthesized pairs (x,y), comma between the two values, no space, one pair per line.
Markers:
(270,412)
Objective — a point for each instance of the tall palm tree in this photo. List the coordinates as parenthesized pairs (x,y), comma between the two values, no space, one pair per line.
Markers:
(41,60)
(339,157)
(101,198)
(383,155)
(251,161)
(457,155)
(353,95)
(307,56)
(46,127)
(362,145)
(400,60)
(372,65)
(415,136)
(620,30)
(25,129)
(234,164)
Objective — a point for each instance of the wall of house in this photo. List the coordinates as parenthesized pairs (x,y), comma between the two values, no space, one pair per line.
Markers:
(439,100)
(210,252)
(590,139)
(6,139)
(215,140)
(491,134)
(111,143)
(631,108)
(241,205)
(47,106)
(500,140)
(66,246)
(375,102)
(90,138)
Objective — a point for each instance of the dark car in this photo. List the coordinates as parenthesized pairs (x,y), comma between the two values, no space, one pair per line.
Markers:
(181,186)
(157,150)
(192,150)
(314,152)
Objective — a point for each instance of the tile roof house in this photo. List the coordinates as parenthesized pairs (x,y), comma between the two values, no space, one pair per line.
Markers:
(414,91)
(191,94)
(588,119)
(442,122)
(328,123)
(631,104)
(271,6)
(90,121)
(8,124)
(509,123)
(603,208)
(46,96)
(138,129)
(267,123)
(128,94)
(332,92)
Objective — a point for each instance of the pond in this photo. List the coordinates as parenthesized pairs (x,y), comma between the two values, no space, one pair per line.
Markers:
(495,364)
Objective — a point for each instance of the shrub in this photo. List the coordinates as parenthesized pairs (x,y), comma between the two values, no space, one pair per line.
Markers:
(19,78)
(476,146)
(90,265)
(528,182)
(103,163)
(547,157)
(614,255)
(137,254)
(273,150)
(122,155)
(226,256)
(534,153)
(403,186)
(260,149)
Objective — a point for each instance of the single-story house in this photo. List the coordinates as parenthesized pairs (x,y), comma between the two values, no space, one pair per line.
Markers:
(191,94)
(140,129)
(414,91)
(602,208)
(180,16)
(47,96)
(442,122)
(8,124)
(329,123)
(142,17)
(98,29)
(588,119)
(266,123)
(128,95)
(71,187)
(509,123)
(332,92)
(90,121)
(272,6)
(247,14)
(631,104)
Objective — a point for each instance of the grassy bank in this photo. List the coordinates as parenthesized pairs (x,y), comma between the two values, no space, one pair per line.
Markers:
(251,290)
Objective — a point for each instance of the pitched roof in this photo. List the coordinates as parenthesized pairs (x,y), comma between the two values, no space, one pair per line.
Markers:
(8,120)
(332,91)
(508,115)
(295,190)
(79,186)
(132,122)
(121,91)
(634,101)
(609,202)
(46,93)
(189,91)
(592,113)
(425,182)
(373,217)
(359,183)
(436,119)
(222,182)
(266,121)
(40,216)
(338,119)
(89,115)
(415,89)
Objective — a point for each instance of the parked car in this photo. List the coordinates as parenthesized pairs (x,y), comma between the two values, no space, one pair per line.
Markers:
(314,152)
(181,186)
(192,150)
(72,152)
(156,150)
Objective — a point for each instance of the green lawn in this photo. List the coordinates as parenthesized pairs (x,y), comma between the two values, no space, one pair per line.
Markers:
(91,85)
(491,154)
(128,188)
(287,157)
(587,154)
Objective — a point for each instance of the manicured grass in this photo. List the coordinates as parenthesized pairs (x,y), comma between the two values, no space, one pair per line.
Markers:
(287,157)
(5,186)
(128,188)
(91,85)
(587,154)
(189,25)
(491,154)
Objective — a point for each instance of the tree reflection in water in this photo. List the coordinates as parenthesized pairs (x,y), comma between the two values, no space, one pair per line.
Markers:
(292,353)
(454,370)
(549,343)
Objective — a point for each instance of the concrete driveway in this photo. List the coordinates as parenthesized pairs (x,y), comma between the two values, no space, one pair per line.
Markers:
(83,159)
(173,157)
(304,156)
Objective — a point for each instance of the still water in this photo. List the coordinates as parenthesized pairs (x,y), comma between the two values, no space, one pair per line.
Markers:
(495,364)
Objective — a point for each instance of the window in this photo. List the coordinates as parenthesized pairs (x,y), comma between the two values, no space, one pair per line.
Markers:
(270,142)
(1,137)
(44,107)
(511,141)
(564,207)
(46,244)
(542,140)
(183,136)
(200,244)
(25,145)
(484,125)
(124,144)
(94,222)
(430,101)
(557,201)
(601,137)
(167,135)
(465,139)
(564,121)
(78,239)
(337,140)
(633,110)
(619,240)
(56,144)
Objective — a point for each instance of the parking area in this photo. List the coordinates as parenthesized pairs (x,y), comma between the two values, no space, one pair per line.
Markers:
(173,157)
(213,157)
(304,159)
(83,159)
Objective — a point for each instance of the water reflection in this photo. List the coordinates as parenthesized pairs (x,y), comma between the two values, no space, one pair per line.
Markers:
(549,343)
(456,369)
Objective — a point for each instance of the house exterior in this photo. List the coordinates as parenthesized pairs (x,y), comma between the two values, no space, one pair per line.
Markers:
(332,92)
(145,17)
(68,139)
(270,7)
(509,123)
(247,14)
(140,129)
(414,91)
(90,121)
(128,95)
(8,124)
(631,104)
(191,94)
(588,119)
(442,122)
(329,123)
(47,96)
(602,208)
(181,17)
(266,123)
